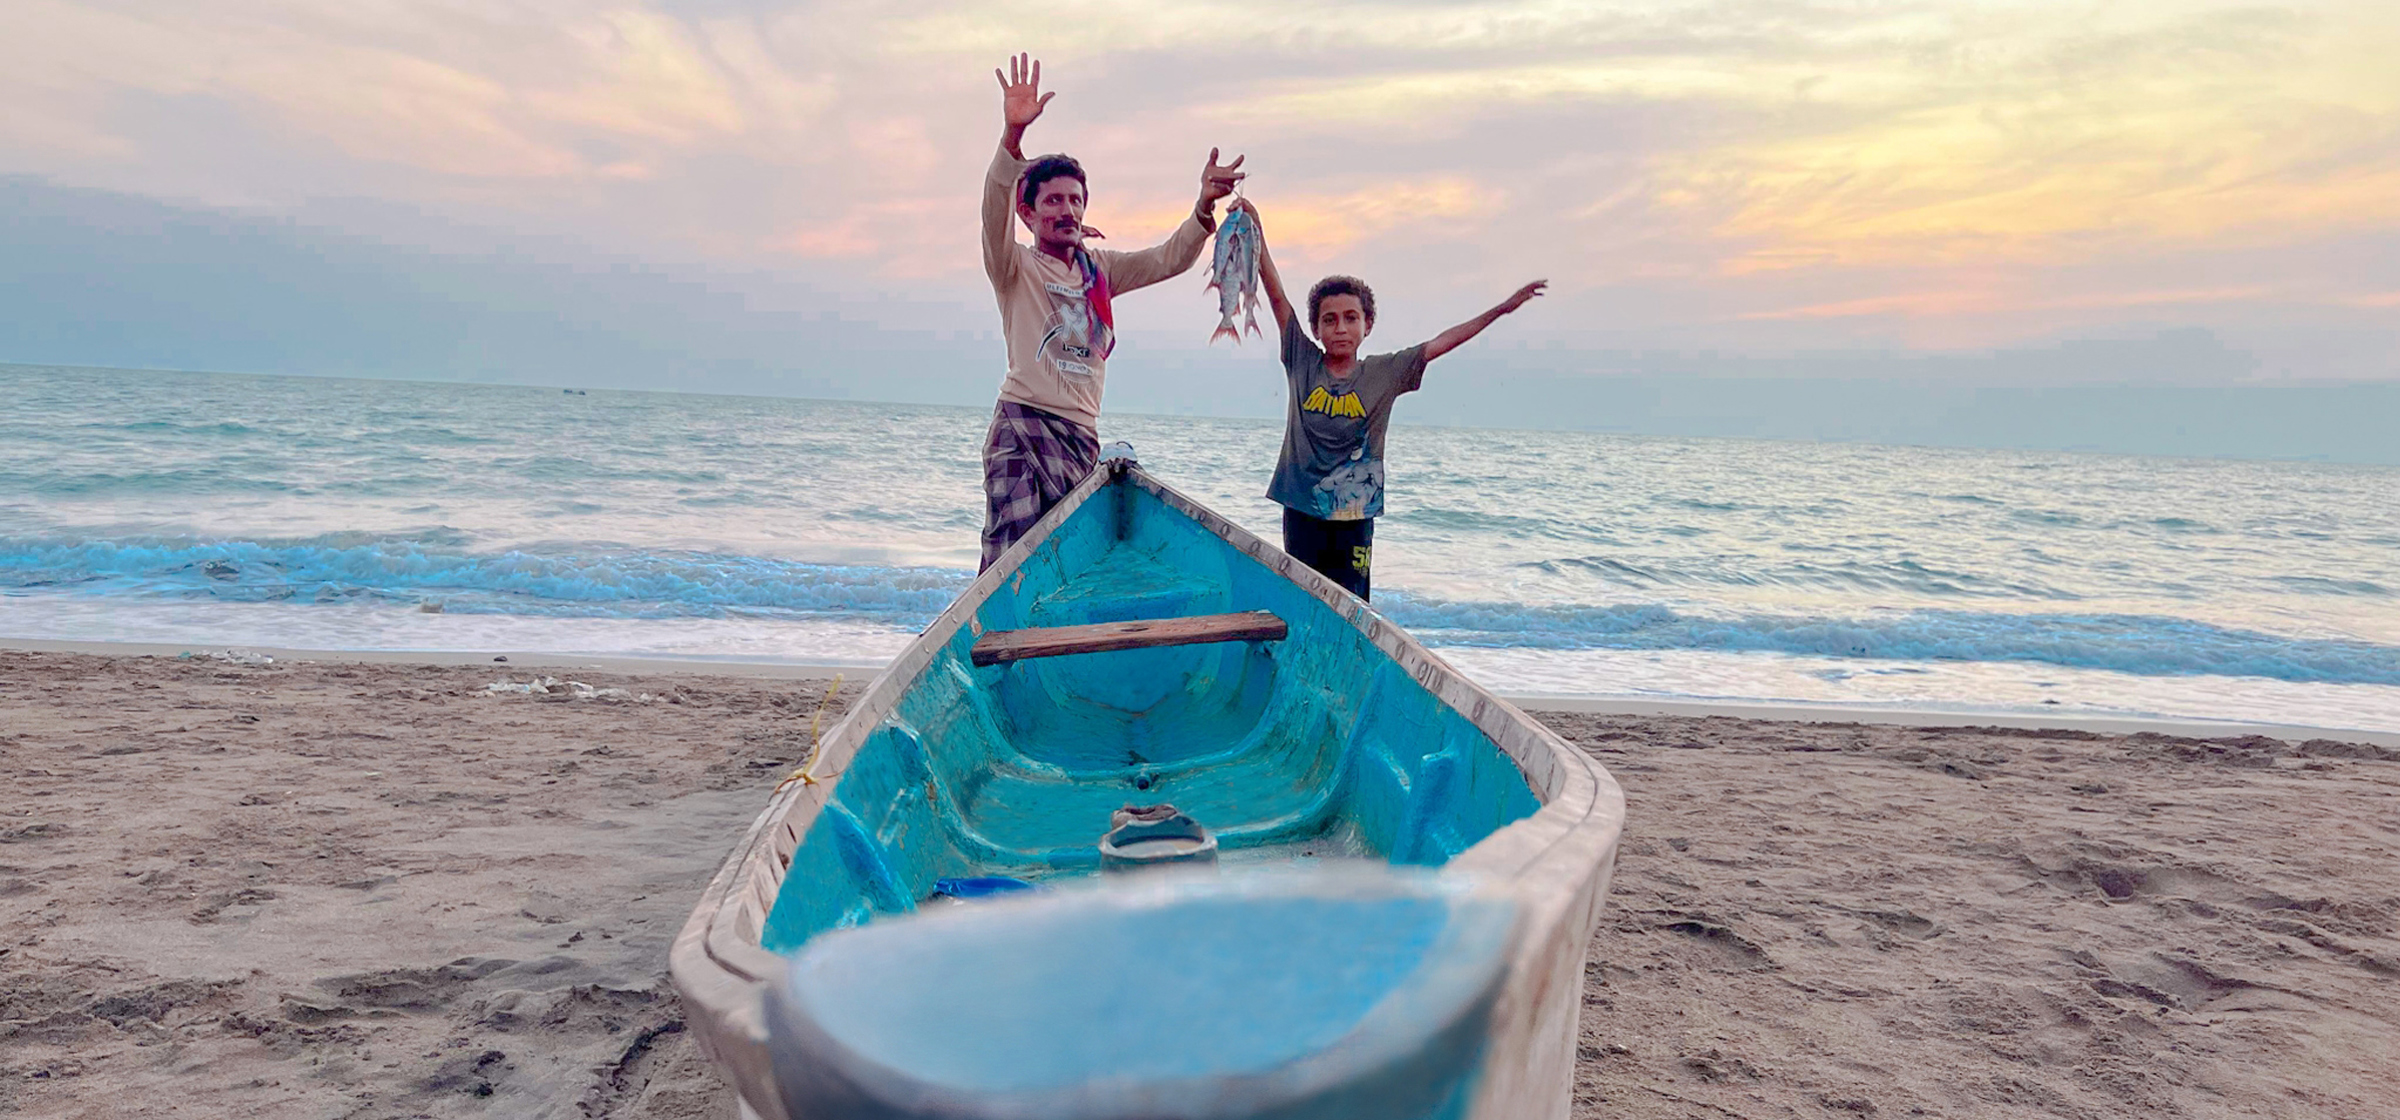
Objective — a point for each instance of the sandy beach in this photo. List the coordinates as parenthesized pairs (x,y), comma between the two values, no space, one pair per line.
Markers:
(333,889)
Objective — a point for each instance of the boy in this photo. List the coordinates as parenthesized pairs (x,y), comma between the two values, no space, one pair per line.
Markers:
(1329,478)
(1055,312)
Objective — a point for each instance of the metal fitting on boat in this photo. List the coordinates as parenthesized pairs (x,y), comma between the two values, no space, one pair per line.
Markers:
(1151,835)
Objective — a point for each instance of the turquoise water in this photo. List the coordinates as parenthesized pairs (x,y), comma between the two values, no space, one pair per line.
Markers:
(224,510)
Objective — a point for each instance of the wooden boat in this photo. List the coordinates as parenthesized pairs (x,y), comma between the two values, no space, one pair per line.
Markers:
(1137,648)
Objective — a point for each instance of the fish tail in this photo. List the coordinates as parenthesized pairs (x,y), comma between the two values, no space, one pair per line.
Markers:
(1225,330)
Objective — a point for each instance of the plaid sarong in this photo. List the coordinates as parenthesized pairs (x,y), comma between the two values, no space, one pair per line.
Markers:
(1031,460)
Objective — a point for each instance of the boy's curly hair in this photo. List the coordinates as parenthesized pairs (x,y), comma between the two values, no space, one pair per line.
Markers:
(1045,168)
(1341,286)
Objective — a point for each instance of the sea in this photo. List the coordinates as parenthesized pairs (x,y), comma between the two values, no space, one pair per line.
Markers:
(223,511)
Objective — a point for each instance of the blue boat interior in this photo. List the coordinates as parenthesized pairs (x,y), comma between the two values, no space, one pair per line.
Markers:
(1314,747)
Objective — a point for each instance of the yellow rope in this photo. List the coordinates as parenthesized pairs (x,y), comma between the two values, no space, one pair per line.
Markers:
(803,775)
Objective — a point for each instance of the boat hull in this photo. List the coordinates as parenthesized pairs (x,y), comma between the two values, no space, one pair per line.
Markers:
(945,768)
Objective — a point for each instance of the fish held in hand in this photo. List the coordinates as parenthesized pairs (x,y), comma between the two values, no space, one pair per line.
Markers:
(1233,273)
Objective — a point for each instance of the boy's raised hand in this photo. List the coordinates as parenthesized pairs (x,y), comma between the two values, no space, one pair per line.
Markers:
(1021,96)
(1269,278)
(1517,298)
(1451,339)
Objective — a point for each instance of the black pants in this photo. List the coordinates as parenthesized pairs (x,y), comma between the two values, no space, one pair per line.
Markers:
(1339,549)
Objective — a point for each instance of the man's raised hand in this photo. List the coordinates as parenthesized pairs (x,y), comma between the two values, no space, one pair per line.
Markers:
(1021,96)
(1218,180)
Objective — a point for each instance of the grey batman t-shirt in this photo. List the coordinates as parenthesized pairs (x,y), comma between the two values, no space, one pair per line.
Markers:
(1332,462)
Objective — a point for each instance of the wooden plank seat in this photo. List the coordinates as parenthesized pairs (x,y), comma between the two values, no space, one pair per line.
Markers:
(1001,646)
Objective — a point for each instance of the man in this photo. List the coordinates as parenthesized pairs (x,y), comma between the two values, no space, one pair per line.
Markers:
(1056,312)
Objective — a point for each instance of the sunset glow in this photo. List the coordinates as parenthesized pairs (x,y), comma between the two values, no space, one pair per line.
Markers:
(1898,166)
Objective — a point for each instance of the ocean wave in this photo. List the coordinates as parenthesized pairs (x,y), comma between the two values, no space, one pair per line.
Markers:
(2323,585)
(1498,523)
(568,581)
(562,468)
(1849,576)
(166,427)
(182,481)
(571,580)
(434,437)
(2145,645)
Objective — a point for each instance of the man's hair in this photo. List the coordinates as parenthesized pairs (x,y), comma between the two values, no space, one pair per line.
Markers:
(1341,286)
(1045,168)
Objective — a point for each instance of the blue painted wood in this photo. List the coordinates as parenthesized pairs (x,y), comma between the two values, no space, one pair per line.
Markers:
(1318,996)
(1311,748)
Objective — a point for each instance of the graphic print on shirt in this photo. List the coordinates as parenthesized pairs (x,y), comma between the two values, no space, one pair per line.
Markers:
(1081,324)
(1346,405)
(1345,491)
(1069,343)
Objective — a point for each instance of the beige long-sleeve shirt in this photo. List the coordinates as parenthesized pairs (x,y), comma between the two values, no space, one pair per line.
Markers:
(1054,361)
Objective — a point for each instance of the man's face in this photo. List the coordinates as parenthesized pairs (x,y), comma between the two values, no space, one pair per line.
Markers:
(1342,325)
(1056,216)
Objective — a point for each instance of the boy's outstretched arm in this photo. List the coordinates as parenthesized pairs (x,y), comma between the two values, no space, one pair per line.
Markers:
(1457,336)
(1272,280)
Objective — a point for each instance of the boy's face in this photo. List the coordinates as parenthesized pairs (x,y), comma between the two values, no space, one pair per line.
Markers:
(1341,325)
(1056,216)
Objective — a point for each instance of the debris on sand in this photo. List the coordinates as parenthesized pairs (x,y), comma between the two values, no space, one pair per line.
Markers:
(230,656)
(571,690)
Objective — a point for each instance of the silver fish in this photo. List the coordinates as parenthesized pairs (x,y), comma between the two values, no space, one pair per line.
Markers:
(1233,272)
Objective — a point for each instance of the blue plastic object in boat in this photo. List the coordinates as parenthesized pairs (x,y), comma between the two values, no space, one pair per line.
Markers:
(1284,996)
(980,886)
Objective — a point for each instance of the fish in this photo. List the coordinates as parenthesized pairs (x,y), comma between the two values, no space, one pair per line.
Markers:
(1233,273)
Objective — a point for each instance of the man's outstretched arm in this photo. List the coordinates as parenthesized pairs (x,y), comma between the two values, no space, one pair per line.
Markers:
(1127,271)
(1021,103)
(1457,336)
(1268,277)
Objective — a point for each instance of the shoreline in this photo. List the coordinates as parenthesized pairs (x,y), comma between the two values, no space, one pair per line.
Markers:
(1586,704)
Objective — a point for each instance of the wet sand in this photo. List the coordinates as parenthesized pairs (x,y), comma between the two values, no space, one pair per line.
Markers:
(378,890)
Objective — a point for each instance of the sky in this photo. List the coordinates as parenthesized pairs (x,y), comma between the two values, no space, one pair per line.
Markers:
(1724,181)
